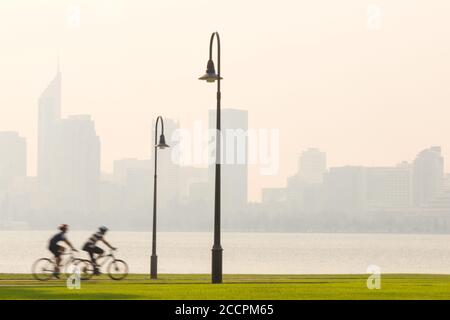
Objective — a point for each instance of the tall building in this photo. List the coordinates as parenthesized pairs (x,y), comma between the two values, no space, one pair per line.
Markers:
(168,170)
(304,189)
(312,166)
(12,167)
(68,156)
(345,190)
(389,187)
(13,158)
(428,175)
(77,168)
(234,166)
(123,167)
(49,115)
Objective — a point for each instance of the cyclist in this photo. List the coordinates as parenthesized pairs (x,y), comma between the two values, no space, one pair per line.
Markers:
(55,247)
(93,250)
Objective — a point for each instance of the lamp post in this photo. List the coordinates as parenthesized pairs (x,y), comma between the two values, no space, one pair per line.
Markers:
(158,145)
(211,76)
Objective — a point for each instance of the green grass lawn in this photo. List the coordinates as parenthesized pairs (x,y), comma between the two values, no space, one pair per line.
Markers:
(235,287)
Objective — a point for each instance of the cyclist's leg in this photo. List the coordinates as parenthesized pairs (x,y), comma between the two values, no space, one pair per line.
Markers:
(99,252)
(60,250)
(91,255)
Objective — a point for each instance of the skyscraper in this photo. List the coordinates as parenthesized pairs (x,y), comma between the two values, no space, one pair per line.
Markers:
(389,187)
(77,168)
(49,115)
(428,175)
(13,159)
(68,156)
(312,166)
(304,189)
(234,159)
(12,166)
(168,170)
(345,190)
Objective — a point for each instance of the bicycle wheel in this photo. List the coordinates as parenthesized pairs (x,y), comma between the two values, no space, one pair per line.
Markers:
(43,269)
(117,269)
(84,266)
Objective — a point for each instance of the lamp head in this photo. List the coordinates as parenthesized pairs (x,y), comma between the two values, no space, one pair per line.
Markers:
(162,142)
(210,75)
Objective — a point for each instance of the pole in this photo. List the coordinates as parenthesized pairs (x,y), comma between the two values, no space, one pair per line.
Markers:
(217,247)
(154,257)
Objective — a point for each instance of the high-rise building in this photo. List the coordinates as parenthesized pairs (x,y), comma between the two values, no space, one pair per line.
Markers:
(12,167)
(234,167)
(428,175)
(304,189)
(123,167)
(13,170)
(344,189)
(13,158)
(68,156)
(312,166)
(77,168)
(49,115)
(389,187)
(168,170)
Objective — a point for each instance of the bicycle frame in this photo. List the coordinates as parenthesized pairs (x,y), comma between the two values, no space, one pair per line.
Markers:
(105,258)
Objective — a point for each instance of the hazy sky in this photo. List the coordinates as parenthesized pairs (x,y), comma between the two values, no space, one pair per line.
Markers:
(313,69)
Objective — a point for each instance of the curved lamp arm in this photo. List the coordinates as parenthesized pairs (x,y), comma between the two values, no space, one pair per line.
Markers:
(158,120)
(215,35)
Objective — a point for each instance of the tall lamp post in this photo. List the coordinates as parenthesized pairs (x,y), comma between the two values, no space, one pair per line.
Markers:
(158,145)
(211,76)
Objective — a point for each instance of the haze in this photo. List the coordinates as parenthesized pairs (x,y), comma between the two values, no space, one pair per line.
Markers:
(314,70)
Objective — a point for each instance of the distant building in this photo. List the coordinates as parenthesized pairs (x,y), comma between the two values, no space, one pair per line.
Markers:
(312,166)
(428,175)
(304,189)
(13,150)
(123,167)
(77,167)
(68,157)
(13,167)
(389,187)
(345,190)
(273,195)
(49,115)
(169,194)
(234,168)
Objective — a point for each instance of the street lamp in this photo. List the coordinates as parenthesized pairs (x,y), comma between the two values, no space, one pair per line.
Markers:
(158,145)
(211,76)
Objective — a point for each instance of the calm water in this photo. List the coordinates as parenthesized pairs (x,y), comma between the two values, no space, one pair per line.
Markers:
(251,252)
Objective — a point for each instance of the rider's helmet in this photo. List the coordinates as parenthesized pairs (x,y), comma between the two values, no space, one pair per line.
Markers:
(63,227)
(103,229)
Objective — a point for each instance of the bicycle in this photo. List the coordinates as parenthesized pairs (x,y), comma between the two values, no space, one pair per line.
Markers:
(117,269)
(43,269)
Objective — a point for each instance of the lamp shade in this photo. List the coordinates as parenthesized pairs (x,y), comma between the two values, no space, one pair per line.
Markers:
(210,75)
(162,142)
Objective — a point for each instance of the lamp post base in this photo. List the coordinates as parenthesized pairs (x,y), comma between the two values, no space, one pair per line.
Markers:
(154,267)
(217,264)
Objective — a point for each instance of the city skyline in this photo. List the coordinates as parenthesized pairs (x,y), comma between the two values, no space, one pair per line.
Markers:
(70,183)
(51,126)
(334,83)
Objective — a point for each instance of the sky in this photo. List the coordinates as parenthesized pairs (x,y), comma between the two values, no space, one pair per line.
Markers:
(324,73)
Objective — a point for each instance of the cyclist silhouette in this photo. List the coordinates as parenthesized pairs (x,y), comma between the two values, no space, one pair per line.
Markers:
(56,249)
(93,250)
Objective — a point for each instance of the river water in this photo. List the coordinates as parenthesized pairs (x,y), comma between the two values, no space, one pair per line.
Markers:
(250,253)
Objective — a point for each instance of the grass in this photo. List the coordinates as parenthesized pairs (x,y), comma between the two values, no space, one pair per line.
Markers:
(235,287)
